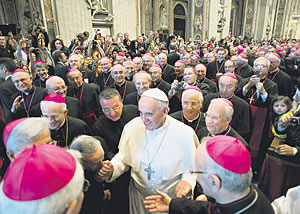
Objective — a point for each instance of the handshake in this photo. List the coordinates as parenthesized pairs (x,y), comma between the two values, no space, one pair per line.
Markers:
(105,172)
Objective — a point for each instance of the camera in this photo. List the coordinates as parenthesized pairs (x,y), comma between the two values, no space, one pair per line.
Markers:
(296,118)
(180,85)
(256,72)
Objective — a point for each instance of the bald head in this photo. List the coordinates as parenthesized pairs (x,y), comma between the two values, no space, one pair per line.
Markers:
(56,85)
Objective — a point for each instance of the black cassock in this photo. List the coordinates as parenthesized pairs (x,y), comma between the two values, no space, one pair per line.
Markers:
(201,133)
(31,105)
(284,82)
(242,116)
(213,68)
(163,85)
(7,89)
(125,89)
(72,128)
(88,100)
(245,72)
(254,203)
(132,98)
(196,124)
(73,107)
(104,80)
(212,85)
(111,131)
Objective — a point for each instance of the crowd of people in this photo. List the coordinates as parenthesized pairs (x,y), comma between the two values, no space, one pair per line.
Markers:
(122,125)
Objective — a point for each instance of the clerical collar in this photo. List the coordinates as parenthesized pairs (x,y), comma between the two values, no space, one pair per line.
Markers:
(9,76)
(30,91)
(45,78)
(157,84)
(225,132)
(192,119)
(61,125)
(128,78)
(122,85)
(240,206)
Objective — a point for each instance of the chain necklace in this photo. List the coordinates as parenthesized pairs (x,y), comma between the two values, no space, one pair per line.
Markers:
(29,106)
(149,169)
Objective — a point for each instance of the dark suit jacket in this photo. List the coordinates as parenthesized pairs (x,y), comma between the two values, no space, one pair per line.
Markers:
(167,71)
(7,89)
(172,58)
(74,107)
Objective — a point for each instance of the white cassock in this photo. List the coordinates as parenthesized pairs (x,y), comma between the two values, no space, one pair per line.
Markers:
(158,159)
(289,204)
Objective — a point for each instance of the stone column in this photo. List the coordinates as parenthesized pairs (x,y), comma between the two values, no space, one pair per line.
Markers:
(171,16)
(156,19)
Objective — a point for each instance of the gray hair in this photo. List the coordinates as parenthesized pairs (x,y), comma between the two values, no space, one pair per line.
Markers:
(85,144)
(142,73)
(57,202)
(232,182)
(45,104)
(200,95)
(228,109)
(26,133)
(272,56)
(262,58)
(127,62)
(109,93)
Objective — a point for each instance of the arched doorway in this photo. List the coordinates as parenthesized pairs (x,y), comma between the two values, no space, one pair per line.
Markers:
(179,20)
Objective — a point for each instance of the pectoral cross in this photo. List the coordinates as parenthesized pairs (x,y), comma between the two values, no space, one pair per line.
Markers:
(251,99)
(149,171)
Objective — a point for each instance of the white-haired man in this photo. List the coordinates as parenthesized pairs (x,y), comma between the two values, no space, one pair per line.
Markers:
(56,187)
(217,119)
(223,168)
(147,61)
(142,81)
(76,62)
(129,70)
(56,85)
(137,64)
(123,86)
(192,101)
(146,142)
(63,128)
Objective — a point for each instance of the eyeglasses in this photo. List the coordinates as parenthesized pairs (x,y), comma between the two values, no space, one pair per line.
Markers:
(194,104)
(117,72)
(213,118)
(197,172)
(260,66)
(114,108)
(86,185)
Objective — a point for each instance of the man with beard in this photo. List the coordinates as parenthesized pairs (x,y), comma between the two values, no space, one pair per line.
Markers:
(25,102)
(192,100)
(201,77)
(63,128)
(216,67)
(56,85)
(123,86)
(86,94)
(41,69)
(142,81)
(242,116)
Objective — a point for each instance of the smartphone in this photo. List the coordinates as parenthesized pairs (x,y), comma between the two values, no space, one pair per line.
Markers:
(256,72)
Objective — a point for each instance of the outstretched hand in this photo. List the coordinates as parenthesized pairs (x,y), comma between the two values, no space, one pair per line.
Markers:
(158,203)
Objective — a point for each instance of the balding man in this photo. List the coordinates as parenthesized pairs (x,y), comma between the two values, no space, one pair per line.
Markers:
(192,101)
(52,181)
(86,94)
(143,147)
(243,69)
(201,77)
(223,168)
(105,79)
(242,116)
(63,128)
(157,81)
(147,60)
(229,67)
(167,69)
(92,157)
(217,119)
(142,81)
(25,102)
(56,85)
(283,80)
(123,86)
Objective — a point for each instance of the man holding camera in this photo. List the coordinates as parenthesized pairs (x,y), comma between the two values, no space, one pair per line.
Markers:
(258,91)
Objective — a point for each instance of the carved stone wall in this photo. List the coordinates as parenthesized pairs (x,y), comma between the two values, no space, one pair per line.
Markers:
(249,18)
(280,18)
(199,20)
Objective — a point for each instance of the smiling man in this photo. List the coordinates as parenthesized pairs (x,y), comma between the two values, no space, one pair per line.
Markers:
(147,142)
(41,69)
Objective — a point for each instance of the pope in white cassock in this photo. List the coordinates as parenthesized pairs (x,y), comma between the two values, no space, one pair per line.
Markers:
(158,149)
